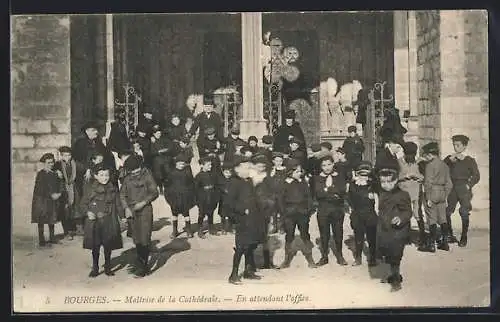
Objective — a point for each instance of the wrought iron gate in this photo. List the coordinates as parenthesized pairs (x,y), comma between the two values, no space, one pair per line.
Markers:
(273,106)
(228,102)
(130,106)
(375,120)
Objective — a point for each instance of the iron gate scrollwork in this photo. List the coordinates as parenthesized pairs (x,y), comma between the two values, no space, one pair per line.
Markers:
(228,102)
(375,119)
(131,107)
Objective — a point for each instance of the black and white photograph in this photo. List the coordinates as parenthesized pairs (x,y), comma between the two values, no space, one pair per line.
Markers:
(250,161)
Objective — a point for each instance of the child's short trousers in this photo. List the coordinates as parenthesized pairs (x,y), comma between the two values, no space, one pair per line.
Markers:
(436,214)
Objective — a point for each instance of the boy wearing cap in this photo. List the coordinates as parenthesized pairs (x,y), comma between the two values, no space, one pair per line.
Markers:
(437,187)
(296,152)
(145,143)
(183,147)
(252,144)
(464,174)
(243,208)
(353,147)
(410,180)
(224,182)
(161,150)
(102,206)
(210,146)
(45,206)
(207,195)
(329,190)
(295,204)
(232,142)
(137,193)
(326,147)
(394,215)
(278,175)
(364,203)
(66,169)
(266,203)
(179,193)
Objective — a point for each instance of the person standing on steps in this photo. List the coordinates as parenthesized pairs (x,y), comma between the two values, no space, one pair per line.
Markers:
(465,175)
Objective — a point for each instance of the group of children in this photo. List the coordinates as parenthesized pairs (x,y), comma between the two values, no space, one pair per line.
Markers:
(254,187)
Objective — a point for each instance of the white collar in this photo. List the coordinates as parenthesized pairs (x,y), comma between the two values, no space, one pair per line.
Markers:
(333,174)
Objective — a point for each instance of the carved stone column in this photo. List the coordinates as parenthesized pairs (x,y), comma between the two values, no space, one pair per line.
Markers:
(253,122)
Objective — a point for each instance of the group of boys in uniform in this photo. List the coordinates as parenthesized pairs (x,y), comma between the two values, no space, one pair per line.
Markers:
(253,186)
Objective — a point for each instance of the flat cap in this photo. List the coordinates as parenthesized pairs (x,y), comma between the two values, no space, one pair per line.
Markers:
(47,156)
(460,138)
(253,138)
(133,162)
(315,147)
(259,158)
(90,125)
(65,149)
(431,148)
(410,148)
(290,114)
(352,128)
(277,154)
(235,131)
(267,139)
(210,131)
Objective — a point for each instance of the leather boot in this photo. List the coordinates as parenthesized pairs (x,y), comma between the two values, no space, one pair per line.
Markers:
(443,242)
(188,229)
(358,254)
(268,261)
(430,246)
(340,259)
(249,273)
(465,230)
(421,234)
(41,237)
(224,224)
(288,257)
(212,230)
(95,263)
(52,237)
(396,283)
(175,231)
(451,237)
(310,260)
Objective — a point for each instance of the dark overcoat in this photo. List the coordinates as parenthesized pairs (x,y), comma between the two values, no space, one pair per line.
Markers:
(104,202)
(202,121)
(118,138)
(230,145)
(45,210)
(363,208)
(138,188)
(179,190)
(206,190)
(266,204)
(282,135)
(248,226)
(391,239)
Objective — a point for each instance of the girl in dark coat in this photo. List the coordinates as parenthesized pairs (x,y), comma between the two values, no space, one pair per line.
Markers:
(394,219)
(286,131)
(243,209)
(137,193)
(363,201)
(207,196)
(179,193)
(101,204)
(45,205)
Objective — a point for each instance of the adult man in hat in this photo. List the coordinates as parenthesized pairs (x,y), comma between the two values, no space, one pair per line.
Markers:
(118,136)
(147,122)
(208,119)
(285,132)
(231,144)
(83,149)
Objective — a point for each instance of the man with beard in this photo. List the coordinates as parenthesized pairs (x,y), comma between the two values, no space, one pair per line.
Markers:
(291,129)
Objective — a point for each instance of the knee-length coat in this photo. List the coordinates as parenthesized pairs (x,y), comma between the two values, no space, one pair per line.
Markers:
(135,189)
(45,210)
(104,202)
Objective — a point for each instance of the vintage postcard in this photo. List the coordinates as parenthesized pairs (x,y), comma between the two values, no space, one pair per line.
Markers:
(250,161)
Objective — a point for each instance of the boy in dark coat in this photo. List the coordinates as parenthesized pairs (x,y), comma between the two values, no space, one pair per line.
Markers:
(183,148)
(296,152)
(66,169)
(137,193)
(252,144)
(118,136)
(353,147)
(161,150)
(296,206)
(145,143)
(207,195)
(266,202)
(267,147)
(394,215)
(47,192)
(437,187)
(342,164)
(225,179)
(329,191)
(102,206)
(364,202)
(210,146)
(464,174)
(278,175)
(313,166)
(176,130)
(244,211)
(231,144)
(179,193)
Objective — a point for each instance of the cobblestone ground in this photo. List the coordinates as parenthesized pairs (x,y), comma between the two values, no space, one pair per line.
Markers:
(50,279)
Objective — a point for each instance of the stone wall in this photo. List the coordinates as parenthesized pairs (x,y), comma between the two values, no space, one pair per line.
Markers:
(40,88)
(453,85)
